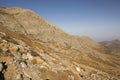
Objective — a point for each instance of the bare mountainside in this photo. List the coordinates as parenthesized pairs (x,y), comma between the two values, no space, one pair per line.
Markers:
(35,49)
(112,47)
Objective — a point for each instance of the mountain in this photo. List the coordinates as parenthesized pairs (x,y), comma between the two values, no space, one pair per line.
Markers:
(35,49)
(112,47)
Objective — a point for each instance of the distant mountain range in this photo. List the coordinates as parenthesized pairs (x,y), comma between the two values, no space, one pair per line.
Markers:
(112,47)
(35,49)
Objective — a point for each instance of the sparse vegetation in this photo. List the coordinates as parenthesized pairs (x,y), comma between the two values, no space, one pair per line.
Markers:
(34,49)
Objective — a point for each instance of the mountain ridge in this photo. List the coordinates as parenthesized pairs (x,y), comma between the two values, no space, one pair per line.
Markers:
(112,47)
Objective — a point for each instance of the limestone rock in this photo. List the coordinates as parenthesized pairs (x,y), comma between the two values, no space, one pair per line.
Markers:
(4,46)
(29,56)
(14,48)
(38,60)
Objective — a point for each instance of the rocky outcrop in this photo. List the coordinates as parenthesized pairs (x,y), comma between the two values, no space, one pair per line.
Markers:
(33,65)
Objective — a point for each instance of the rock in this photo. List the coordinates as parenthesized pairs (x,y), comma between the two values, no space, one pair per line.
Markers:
(4,46)
(43,67)
(23,65)
(71,77)
(2,34)
(41,50)
(19,77)
(27,75)
(22,49)
(14,48)
(4,41)
(29,56)
(24,56)
(1,66)
(38,60)
(77,69)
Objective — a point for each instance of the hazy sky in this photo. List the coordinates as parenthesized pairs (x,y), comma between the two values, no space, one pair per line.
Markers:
(98,19)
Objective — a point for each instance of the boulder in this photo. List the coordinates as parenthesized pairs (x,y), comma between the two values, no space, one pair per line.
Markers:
(38,60)
(14,48)
(4,46)
(29,56)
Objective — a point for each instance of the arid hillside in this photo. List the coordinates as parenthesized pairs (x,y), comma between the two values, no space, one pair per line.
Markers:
(35,49)
(112,47)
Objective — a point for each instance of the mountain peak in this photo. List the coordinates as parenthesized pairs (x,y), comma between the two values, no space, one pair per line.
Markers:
(29,23)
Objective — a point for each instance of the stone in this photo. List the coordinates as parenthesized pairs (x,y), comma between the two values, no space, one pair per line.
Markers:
(24,56)
(41,50)
(71,77)
(27,75)
(1,66)
(4,46)
(29,56)
(23,65)
(77,69)
(2,34)
(19,77)
(37,60)
(14,48)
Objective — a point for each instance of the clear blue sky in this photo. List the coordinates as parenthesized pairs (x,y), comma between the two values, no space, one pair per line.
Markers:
(98,19)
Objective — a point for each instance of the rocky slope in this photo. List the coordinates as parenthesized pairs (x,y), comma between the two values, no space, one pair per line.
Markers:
(35,49)
(112,47)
